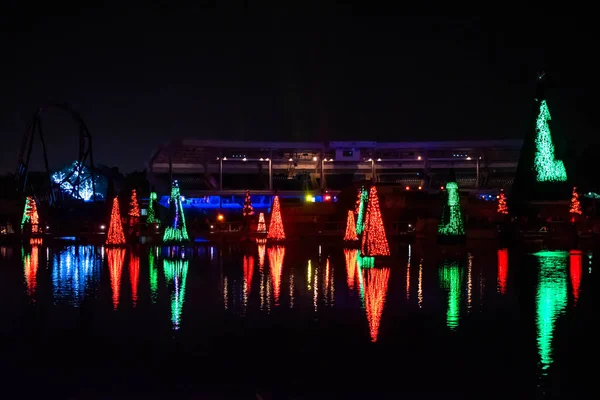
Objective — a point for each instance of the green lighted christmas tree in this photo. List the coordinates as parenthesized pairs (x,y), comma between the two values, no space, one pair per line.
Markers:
(452,222)
(176,232)
(548,168)
(151,211)
(362,208)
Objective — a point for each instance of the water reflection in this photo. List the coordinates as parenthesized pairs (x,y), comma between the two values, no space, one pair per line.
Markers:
(502,270)
(31,263)
(551,300)
(375,282)
(408,274)
(152,253)
(134,276)
(450,279)
(248,274)
(351,266)
(276,255)
(420,288)
(176,276)
(575,268)
(116,258)
(74,269)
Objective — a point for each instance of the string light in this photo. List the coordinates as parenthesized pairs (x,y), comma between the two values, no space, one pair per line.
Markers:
(134,207)
(502,207)
(452,223)
(248,210)
(276,231)
(358,200)
(374,240)
(151,219)
(575,204)
(30,215)
(262,226)
(176,232)
(350,228)
(360,218)
(548,168)
(115,230)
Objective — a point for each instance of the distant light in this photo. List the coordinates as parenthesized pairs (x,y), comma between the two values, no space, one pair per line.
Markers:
(309,197)
(291,159)
(217,158)
(261,159)
(468,158)
(182,198)
(314,158)
(102,227)
(331,159)
(441,188)
(420,188)
(408,188)
(224,158)
(410,225)
(327,197)
(220,217)
(156,226)
(244,159)
(379,159)
(47,226)
(212,226)
(370,159)
(267,158)
(419,158)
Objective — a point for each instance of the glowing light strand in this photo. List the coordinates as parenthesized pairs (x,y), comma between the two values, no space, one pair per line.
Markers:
(452,222)
(548,168)
(374,240)
(176,232)
(350,228)
(262,226)
(151,218)
(115,229)
(276,231)
(360,218)
(502,207)
(248,210)
(575,206)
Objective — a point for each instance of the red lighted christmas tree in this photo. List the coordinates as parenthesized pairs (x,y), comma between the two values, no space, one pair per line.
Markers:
(30,214)
(134,208)
(276,231)
(350,227)
(262,226)
(575,204)
(115,230)
(502,207)
(248,210)
(374,240)
(357,205)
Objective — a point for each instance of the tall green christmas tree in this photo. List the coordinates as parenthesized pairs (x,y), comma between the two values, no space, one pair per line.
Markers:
(176,231)
(151,219)
(362,208)
(451,224)
(547,167)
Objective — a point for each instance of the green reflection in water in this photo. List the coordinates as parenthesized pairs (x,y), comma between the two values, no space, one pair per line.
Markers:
(450,279)
(551,300)
(153,274)
(176,275)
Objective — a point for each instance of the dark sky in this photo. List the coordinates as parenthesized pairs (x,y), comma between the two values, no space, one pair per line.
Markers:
(143,76)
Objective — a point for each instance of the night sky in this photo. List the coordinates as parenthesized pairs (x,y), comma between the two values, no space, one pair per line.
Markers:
(141,77)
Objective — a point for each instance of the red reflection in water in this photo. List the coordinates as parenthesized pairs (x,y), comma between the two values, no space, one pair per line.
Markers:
(248,273)
(376,286)
(31,263)
(261,256)
(134,276)
(576,267)
(502,270)
(276,255)
(116,258)
(351,255)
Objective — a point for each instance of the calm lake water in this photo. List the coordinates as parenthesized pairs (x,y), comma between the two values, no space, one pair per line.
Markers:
(300,321)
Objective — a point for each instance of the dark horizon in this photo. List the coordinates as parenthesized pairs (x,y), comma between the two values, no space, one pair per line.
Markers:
(141,77)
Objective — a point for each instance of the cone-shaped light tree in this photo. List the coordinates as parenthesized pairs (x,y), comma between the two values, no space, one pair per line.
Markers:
(134,208)
(176,231)
(248,210)
(115,229)
(548,168)
(151,219)
(262,226)
(276,231)
(374,240)
(30,215)
(358,199)
(502,207)
(360,218)
(575,204)
(452,222)
(350,227)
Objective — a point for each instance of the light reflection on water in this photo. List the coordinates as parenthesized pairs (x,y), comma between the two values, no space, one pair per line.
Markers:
(176,276)
(31,263)
(551,301)
(451,280)
(75,269)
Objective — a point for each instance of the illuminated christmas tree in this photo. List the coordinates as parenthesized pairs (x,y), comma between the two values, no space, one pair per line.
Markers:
(248,210)
(115,229)
(31,216)
(350,227)
(502,207)
(151,219)
(452,222)
(276,231)
(262,226)
(374,240)
(134,207)
(360,218)
(357,204)
(575,204)
(176,232)
(548,168)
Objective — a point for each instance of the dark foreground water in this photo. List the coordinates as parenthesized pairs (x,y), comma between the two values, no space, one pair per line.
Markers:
(300,321)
